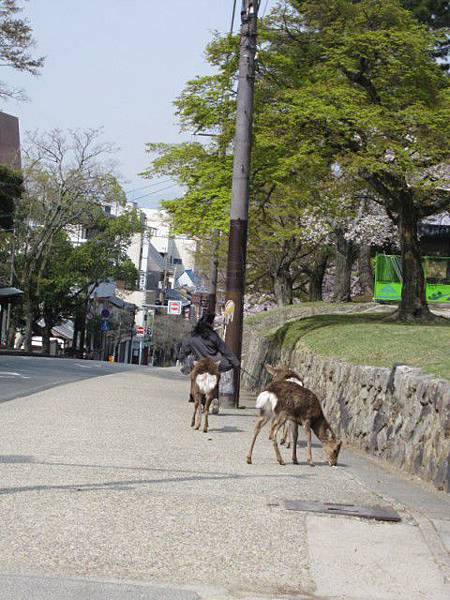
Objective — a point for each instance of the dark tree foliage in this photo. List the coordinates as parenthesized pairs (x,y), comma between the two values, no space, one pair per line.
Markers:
(433,13)
(10,189)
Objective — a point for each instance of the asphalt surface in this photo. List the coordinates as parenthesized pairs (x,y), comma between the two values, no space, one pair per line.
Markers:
(106,493)
(25,375)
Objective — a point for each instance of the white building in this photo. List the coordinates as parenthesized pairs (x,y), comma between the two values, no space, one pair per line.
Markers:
(159,257)
(177,251)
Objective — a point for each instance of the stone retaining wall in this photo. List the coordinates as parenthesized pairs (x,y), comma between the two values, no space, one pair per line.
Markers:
(405,419)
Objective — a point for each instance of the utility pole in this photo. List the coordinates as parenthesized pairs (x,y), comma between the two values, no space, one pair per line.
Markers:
(237,249)
(212,299)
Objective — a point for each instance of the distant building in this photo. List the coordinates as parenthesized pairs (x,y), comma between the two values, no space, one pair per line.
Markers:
(10,141)
(178,252)
(434,233)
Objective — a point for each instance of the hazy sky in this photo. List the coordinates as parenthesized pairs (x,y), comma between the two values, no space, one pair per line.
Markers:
(118,64)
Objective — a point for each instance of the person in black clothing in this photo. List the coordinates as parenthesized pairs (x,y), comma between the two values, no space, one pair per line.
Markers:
(203,342)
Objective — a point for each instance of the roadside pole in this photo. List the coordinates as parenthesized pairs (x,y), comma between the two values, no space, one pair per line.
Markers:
(237,249)
(212,300)
(11,283)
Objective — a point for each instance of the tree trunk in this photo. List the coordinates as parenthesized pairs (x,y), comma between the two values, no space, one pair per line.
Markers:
(344,259)
(29,321)
(76,332)
(413,304)
(283,287)
(82,325)
(316,277)
(365,271)
(46,335)
(11,333)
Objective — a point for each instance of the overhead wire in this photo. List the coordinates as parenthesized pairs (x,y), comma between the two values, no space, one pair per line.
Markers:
(168,187)
(265,8)
(233,14)
(148,185)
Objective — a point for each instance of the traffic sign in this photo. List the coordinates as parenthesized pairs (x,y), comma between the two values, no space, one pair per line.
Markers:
(140,330)
(105,314)
(104,326)
(174,307)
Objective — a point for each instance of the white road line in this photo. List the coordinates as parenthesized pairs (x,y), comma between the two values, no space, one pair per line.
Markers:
(84,366)
(10,374)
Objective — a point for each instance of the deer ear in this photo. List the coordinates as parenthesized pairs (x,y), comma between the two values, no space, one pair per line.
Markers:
(217,362)
(269,368)
(196,362)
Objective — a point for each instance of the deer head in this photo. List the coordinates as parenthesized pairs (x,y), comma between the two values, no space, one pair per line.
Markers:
(332,449)
(282,373)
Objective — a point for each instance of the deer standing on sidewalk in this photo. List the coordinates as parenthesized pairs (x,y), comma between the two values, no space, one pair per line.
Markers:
(284,401)
(284,373)
(205,377)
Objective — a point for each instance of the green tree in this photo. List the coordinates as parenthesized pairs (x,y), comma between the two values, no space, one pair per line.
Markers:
(359,87)
(433,13)
(204,170)
(16,43)
(72,272)
(66,185)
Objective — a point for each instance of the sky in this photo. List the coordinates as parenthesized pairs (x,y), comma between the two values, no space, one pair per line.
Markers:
(119,65)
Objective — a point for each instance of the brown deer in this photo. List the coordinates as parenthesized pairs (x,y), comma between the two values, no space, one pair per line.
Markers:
(205,377)
(284,401)
(284,373)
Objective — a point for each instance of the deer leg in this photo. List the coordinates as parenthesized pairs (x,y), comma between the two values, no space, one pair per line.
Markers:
(198,406)
(195,401)
(259,425)
(285,434)
(275,445)
(307,426)
(289,435)
(276,422)
(192,399)
(293,427)
(209,399)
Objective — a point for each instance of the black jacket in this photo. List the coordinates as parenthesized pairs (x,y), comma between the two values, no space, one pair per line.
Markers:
(208,344)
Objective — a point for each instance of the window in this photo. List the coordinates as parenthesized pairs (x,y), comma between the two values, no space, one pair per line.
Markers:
(177,261)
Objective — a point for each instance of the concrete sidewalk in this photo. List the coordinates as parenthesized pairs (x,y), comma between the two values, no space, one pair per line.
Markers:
(106,492)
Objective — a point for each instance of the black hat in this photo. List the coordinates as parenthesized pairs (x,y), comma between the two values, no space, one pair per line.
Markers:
(207,318)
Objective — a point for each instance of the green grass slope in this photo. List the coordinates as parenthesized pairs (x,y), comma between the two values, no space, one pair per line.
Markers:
(368,339)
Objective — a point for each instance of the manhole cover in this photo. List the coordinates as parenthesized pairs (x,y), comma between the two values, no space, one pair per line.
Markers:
(379,513)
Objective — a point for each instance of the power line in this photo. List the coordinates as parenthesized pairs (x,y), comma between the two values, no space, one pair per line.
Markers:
(232,17)
(265,8)
(156,191)
(148,185)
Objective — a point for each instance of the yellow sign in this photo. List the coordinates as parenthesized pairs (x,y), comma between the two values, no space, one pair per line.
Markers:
(228,313)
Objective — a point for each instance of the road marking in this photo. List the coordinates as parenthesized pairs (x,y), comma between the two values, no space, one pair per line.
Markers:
(12,374)
(84,366)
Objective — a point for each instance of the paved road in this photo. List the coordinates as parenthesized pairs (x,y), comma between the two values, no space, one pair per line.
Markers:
(25,375)
(107,494)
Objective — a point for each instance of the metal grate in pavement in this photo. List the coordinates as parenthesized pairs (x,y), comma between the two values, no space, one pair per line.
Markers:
(379,513)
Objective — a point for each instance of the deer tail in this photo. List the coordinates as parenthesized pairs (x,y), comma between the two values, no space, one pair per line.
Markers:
(266,400)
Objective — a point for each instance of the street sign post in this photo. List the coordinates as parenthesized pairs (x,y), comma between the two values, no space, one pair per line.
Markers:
(174,307)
